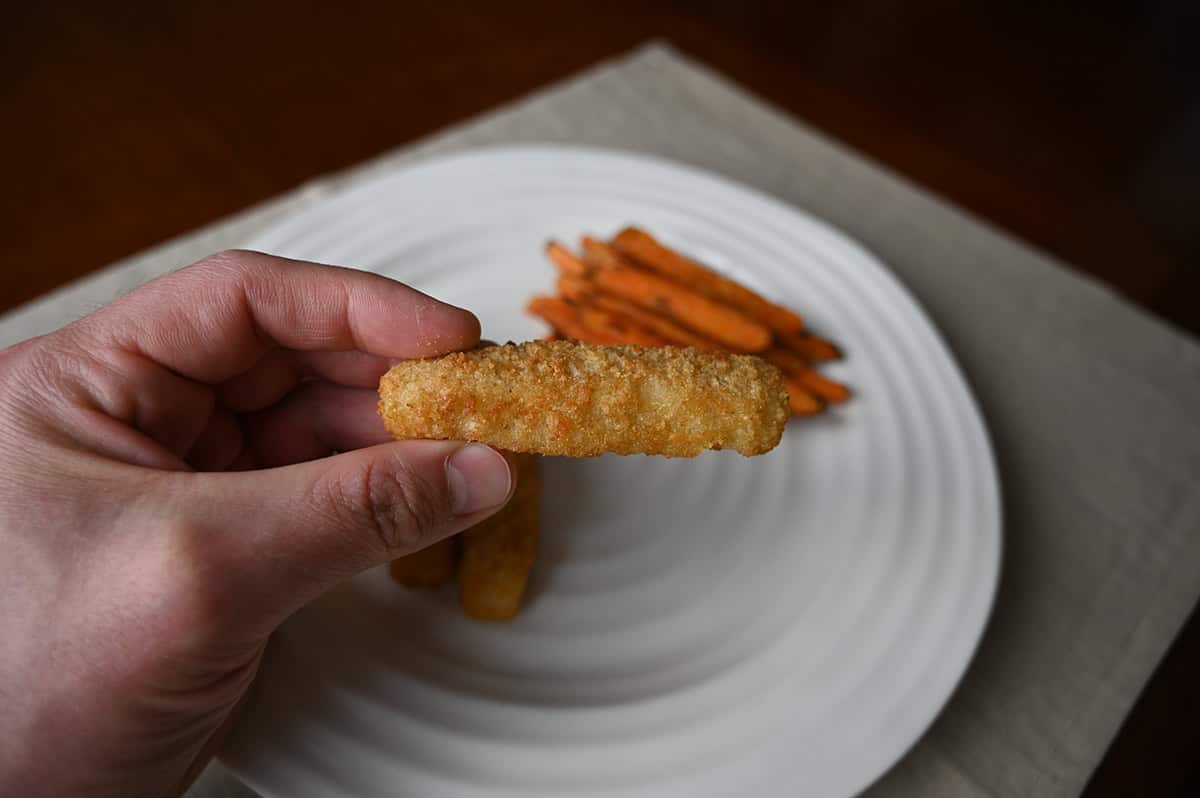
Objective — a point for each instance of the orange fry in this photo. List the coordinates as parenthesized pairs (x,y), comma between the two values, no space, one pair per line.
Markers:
(648,288)
(582,292)
(723,324)
(641,247)
(604,256)
(432,566)
(718,322)
(797,370)
(822,386)
(576,289)
(612,324)
(565,318)
(591,335)
(786,359)
(566,260)
(801,401)
(812,348)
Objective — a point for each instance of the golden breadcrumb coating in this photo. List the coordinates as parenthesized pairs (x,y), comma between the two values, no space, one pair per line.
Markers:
(582,400)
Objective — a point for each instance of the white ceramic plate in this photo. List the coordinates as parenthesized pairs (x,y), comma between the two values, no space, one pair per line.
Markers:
(782,625)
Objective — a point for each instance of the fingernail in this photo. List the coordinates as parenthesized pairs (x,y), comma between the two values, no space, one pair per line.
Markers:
(478,479)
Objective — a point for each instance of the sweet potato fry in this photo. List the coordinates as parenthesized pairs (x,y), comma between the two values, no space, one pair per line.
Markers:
(812,348)
(590,335)
(565,260)
(639,280)
(643,249)
(798,371)
(603,255)
(432,566)
(498,553)
(609,329)
(664,328)
(566,319)
(576,289)
(817,383)
(723,324)
(786,359)
(622,329)
(702,315)
(801,401)
(582,292)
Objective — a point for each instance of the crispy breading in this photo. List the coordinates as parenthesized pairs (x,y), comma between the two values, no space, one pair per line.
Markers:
(582,400)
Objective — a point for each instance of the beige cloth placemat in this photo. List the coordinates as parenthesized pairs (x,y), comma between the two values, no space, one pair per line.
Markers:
(1091,403)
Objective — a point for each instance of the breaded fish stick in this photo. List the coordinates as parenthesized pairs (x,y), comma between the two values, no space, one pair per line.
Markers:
(581,400)
(432,566)
(498,553)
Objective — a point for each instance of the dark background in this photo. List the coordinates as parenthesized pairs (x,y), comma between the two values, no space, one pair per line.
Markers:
(1075,126)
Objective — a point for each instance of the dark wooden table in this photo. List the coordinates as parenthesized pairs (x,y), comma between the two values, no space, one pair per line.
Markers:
(1078,129)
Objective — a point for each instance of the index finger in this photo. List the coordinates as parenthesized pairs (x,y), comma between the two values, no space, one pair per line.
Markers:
(216,318)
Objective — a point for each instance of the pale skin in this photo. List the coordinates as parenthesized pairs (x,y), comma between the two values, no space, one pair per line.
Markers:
(182,470)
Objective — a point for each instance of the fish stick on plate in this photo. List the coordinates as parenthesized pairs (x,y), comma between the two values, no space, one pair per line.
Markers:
(498,553)
(581,400)
(432,566)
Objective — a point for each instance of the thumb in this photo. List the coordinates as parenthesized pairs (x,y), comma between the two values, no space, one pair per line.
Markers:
(275,539)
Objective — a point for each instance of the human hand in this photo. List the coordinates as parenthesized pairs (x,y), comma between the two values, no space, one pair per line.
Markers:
(170,492)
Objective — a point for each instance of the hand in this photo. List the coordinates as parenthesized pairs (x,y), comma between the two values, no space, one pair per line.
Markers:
(171,491)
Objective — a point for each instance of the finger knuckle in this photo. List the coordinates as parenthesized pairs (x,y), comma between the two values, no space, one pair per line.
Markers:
(233,267)
(226,260)
(401,508)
